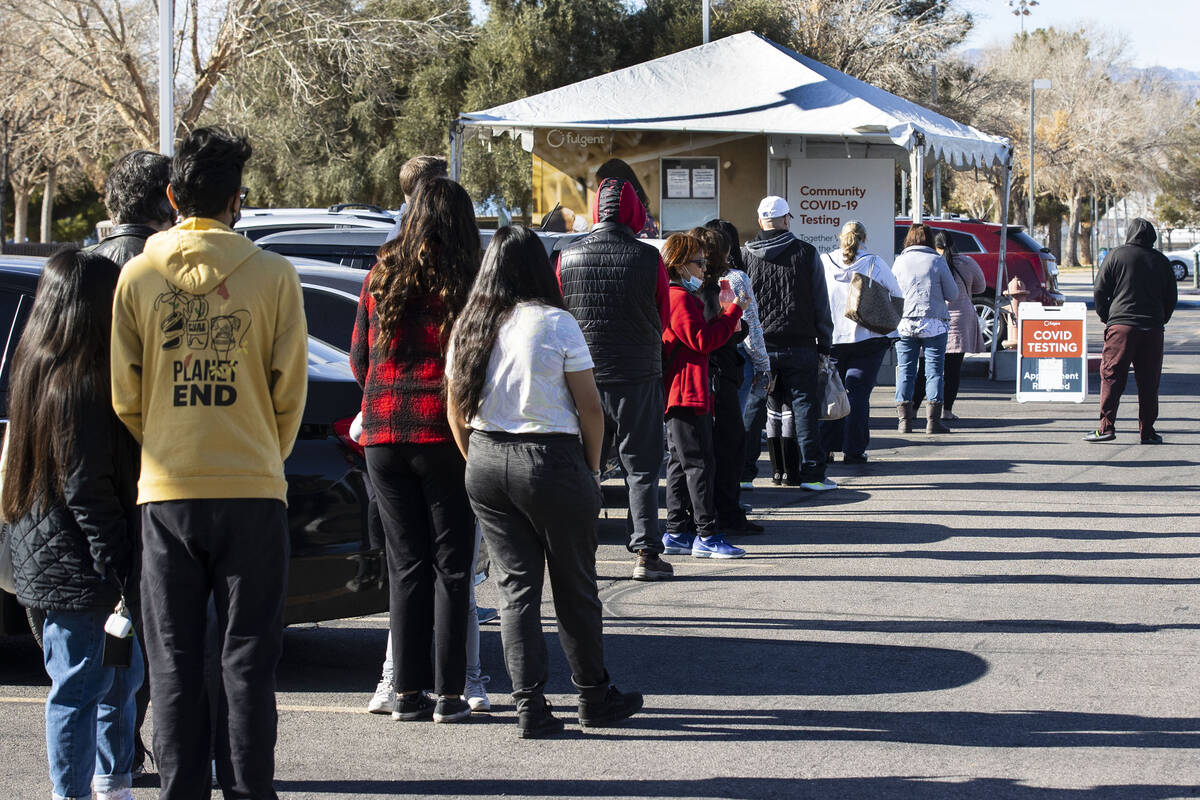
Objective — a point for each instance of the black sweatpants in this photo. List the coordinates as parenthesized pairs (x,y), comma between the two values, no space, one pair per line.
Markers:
(237,551)
(951,373)
(690,471)
(729,448)
(430,537)
(537,504)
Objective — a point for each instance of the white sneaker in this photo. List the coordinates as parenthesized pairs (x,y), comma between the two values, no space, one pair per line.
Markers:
(477,698)
(115,794)
(819,486)
(384,699)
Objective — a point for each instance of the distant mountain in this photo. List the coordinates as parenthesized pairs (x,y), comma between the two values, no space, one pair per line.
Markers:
(1186,80)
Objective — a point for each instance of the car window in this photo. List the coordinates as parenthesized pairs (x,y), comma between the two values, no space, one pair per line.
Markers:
(1026,241)
(901,234)
(14,312)
(330,315)
(964,242)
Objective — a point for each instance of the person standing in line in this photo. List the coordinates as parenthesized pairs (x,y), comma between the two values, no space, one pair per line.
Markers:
(617,168)
(794,307)
(70,495)
(414,171)
(135,196)
(964,336)
(1135,295)
(688,340)
(520,396)
(616,287)
(725,372)
(409,303)
(857,351)
(927,285)
(210,373)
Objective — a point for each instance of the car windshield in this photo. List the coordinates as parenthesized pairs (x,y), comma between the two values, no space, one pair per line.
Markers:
(1027,241)
(320,352)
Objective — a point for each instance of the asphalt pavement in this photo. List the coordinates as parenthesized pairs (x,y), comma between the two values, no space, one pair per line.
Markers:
(999,612)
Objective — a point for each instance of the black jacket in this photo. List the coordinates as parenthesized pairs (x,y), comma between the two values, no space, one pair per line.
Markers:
(125,242)
(70,556)
(1135,285)
(789,283)
(611,285)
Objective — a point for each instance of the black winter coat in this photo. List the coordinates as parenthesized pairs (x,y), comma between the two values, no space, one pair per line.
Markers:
(610,284)
(70,556)
(125,242)
(789,284)
(1135,285)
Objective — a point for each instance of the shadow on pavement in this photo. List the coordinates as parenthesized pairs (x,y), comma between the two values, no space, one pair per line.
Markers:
(910,788)
(910,626)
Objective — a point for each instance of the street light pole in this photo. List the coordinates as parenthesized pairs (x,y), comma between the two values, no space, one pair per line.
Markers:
(704,15)
(1036,83)
(166,77)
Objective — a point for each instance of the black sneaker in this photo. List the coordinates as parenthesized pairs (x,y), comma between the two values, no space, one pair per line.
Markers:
(413,707)
(609,711)
(534,721)
(649,567)
(850,458)
(1152,438)
(451,709)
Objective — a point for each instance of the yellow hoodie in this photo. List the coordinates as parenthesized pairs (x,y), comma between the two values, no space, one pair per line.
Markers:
(209,363)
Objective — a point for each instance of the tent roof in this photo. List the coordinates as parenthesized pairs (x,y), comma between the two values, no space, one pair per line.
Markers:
(745,83)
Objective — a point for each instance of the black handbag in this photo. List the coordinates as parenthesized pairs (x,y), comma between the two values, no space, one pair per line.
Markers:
(871,304)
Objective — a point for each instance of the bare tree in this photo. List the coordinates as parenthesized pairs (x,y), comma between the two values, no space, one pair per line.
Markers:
(106,49)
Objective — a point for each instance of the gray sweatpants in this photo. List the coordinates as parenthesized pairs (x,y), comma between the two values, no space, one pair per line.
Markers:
(537,504)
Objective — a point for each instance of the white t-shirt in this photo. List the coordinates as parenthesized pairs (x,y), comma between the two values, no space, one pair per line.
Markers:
(526,390)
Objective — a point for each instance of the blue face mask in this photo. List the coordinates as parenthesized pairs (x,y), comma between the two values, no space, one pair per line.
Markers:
(691,283)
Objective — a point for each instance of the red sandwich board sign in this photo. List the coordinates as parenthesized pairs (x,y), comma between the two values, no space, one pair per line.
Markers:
(1052,353)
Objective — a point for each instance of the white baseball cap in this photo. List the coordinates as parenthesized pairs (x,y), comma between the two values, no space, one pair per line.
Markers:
(772,207)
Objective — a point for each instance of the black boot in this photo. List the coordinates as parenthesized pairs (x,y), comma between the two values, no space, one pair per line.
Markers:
(534,720)
(791,461)
(775,453)
(603,705)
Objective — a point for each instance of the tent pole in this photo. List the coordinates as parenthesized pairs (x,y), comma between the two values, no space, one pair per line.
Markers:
(1001,266)
(456,130)
(918,177)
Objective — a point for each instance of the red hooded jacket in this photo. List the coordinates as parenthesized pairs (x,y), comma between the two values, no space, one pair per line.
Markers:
(687,340)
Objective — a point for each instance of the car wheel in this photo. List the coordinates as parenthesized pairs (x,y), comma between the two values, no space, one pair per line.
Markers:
(1180,270)
(37,618)
(986,313)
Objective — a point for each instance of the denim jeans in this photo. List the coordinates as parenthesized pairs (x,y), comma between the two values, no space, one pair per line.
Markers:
(907,350)
(858,365)
(795,371)
(91,710)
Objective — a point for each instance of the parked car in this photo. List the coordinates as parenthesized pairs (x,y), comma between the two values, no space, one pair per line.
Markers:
(256,223)
(325,472)
(1183,261)
(981,241)
(357,248)
(331,295)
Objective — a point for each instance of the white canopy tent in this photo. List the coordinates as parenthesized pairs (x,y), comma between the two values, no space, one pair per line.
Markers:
(749,84)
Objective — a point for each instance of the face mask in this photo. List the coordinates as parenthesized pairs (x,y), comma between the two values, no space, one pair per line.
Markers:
(691,283)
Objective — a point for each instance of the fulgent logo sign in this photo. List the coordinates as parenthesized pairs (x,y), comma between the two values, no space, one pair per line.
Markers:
(557,138)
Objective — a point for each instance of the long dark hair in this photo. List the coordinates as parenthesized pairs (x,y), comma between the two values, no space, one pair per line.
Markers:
(60,369)
(943,242)
(515,270)
(731,233)
(716,254)
(436,254)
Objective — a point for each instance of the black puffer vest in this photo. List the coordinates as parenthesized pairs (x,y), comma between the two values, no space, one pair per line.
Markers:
(783,286)
(609,283)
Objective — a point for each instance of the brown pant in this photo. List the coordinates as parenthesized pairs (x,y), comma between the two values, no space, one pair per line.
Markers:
(1125,345)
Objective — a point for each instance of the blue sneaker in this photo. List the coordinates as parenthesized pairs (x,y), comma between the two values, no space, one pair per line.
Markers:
(678,544)
(715,547)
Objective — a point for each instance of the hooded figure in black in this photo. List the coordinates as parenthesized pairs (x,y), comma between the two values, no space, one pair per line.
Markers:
(1135,296)
(616,287)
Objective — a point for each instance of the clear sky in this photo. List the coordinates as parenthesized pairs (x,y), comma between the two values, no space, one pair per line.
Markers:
(1159,32)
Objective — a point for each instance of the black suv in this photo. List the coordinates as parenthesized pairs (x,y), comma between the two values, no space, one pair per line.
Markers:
(325,473)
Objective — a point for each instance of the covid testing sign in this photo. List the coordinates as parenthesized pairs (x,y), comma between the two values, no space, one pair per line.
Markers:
(1052,354)
(824,193)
